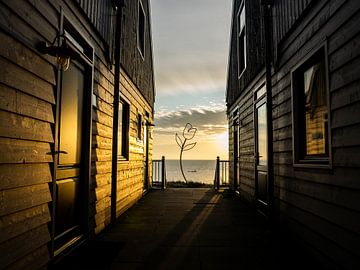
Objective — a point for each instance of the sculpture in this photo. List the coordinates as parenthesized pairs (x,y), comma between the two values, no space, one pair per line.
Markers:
(188,134)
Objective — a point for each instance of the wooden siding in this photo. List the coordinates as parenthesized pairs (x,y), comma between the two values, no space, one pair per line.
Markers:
(27,99)
(286,15)
(255,49)
(322,206)
(99,13)
(139,69)
(245,105)
(27,124)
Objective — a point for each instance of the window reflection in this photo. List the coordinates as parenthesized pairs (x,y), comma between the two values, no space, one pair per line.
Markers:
(71,115)
(262,135)
(123,130)
(315,110)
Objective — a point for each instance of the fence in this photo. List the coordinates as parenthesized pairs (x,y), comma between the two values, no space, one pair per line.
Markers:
(159,173)
(221,173)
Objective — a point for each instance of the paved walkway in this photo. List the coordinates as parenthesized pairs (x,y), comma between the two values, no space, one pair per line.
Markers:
(189,229)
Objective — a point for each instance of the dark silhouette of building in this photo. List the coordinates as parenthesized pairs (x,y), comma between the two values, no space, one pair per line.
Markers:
(294,117)
(76,107)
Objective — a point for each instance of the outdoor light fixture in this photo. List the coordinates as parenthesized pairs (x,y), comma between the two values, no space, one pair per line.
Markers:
(62,52)
(148,124)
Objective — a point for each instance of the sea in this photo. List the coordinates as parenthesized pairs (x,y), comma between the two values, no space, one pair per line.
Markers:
(202,171)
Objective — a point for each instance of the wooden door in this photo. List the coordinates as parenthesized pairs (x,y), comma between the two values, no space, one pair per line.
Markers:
(69,186)
(261,168)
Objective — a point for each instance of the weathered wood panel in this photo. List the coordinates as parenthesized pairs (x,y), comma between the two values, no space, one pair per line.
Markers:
(35,260)
(99,12)
(17,102)
(20,222)
(25,81)
(316,199)
(19,151)
(139,69)
(25,58)
(317,243)
(18,175)
(286,14)
(37,237)
(255,50)
(19,127)
(320,206)
(23,198)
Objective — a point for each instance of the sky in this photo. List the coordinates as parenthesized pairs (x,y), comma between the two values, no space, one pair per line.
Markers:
(190,47)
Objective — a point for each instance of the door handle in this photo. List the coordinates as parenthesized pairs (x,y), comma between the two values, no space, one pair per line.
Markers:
(57,152)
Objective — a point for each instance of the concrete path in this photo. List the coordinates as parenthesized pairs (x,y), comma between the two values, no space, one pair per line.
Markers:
(189,229)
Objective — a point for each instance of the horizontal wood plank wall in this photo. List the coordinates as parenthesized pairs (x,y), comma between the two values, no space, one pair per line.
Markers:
(131,172)
(139,68)
(255,50)
(27,99)
(245,105)
(99,13)
(27,106)
(322,206)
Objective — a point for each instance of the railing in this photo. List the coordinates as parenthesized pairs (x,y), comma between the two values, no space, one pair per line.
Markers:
(159,173)
(221,173)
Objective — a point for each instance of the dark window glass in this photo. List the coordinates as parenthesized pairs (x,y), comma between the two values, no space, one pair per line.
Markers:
(141,30)
(123,130)
(241,42)
(315,110)
(311,110)
(139,126)
(71,115)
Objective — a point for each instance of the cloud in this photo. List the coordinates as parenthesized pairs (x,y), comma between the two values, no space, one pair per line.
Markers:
(190,41)
(207,120)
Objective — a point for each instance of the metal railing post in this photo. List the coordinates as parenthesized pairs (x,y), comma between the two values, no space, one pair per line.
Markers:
(217,174)
(163,180)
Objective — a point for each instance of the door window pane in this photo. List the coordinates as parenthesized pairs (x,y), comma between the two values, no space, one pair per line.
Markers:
(262,135)
(123,130)
(71,111)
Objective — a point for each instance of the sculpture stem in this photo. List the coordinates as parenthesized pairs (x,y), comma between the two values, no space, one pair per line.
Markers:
(181,167)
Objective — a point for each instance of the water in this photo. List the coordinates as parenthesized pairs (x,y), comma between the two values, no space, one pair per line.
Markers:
(202,171)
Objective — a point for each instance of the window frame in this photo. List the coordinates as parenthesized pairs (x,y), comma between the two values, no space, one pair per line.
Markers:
(239,33)
(300,159)
(139,126)
(141,45)
(123,154)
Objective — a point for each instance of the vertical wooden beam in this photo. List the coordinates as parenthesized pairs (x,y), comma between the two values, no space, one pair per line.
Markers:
(269,115)
(163,173)
(116,111)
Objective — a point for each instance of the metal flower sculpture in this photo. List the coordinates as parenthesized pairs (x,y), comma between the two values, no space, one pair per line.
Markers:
(188,134)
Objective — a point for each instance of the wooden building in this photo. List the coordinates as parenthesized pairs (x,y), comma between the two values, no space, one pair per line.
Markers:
(76,110)
(293,100)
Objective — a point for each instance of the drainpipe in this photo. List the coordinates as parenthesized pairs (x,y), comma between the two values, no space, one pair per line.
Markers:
(119,10)
(266,6)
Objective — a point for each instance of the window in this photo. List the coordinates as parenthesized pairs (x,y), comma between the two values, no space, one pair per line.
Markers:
(241,40)
(123,130)
(139,126)
(141,30)
(311,111)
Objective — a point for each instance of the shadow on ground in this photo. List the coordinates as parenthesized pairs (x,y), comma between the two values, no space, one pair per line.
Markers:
(189,229)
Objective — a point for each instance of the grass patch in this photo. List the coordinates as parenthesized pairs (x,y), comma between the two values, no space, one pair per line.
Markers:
(189,184)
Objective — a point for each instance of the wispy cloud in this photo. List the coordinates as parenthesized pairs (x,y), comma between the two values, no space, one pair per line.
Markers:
(190,45)
(208,120)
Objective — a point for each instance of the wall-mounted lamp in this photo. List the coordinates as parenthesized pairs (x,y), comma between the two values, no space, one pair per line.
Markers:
(148,124)
(62,52)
